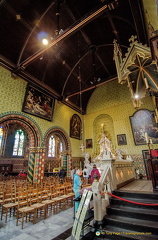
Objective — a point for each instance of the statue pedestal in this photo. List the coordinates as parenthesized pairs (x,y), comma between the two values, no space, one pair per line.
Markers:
(106,156)
(106,163)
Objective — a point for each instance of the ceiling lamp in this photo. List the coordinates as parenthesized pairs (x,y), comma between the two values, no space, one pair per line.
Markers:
(82,147)
(136,69)
(45,41)
(95,79)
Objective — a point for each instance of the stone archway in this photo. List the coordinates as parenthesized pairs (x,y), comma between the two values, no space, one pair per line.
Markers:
(34,136)
(66,160)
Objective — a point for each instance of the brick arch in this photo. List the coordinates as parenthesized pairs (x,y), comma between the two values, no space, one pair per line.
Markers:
(61,132)
(32,129)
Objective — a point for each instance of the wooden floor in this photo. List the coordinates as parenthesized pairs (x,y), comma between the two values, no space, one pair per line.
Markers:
(138,186)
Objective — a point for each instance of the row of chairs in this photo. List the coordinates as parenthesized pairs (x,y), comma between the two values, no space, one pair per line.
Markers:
(34,200)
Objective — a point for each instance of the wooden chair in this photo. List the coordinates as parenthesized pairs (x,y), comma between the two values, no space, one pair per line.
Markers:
(24,209)
(70,195)
(36,202)
(48,200)
(9,204)
(62,196)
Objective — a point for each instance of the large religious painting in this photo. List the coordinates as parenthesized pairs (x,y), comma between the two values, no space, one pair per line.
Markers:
(144,127)
(75,127)
(38,103)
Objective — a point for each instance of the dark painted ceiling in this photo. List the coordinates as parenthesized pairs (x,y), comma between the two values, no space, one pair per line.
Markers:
(79,56)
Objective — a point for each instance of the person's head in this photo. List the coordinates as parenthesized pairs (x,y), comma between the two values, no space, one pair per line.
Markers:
(79,172)
(94,166)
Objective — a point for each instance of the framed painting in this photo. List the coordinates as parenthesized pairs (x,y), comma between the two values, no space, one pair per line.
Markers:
(38,103)
(143,123)
(153,41)
(121,139)
(89,143)
(75,127)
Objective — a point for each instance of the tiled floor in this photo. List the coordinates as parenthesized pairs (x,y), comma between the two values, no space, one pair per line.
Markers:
(46,229)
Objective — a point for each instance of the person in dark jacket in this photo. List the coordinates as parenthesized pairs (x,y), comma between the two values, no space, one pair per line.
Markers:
(62,174)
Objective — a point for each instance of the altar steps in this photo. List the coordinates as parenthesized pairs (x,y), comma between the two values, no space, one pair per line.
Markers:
(128,221)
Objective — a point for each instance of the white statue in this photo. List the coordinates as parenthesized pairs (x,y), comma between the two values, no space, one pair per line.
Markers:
(87,158)
(119,154)
(105,148)
(105,144)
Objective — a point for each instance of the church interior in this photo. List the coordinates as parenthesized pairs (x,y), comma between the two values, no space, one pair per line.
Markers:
(78,87)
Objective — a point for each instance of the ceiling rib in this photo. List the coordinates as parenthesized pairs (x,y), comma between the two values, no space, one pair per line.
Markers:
(90,88)
(65,34)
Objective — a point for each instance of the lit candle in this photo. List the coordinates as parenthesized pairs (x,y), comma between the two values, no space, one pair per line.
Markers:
(146,83)
(146,137)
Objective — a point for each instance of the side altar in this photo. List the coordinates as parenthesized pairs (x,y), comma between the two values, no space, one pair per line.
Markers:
(115,173)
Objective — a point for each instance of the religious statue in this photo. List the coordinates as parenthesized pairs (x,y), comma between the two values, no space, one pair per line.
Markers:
(105,144)
(119,153)
(105,147)
(87,158)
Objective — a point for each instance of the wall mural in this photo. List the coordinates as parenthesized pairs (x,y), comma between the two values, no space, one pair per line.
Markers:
(144,127)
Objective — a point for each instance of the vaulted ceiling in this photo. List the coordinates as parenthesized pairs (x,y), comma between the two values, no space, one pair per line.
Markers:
(79,55)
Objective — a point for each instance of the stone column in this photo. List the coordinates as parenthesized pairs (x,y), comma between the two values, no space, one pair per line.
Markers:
(31,165)
(66,161)
(36,164)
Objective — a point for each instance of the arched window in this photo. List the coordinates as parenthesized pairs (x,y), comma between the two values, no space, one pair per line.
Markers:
(51,148)
(18,148)
(13,141)
(55,146)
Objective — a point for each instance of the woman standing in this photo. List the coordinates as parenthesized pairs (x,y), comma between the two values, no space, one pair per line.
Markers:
(95,173)
(77,186)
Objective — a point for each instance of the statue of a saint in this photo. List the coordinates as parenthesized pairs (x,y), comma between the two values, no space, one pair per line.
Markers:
(105,144)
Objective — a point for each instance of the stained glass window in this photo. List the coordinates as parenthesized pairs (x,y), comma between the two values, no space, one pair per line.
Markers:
(18,143)
(55,146)
(51,149)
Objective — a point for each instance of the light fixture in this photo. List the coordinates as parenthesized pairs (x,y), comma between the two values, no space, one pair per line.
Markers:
(18,17)
(136,96)
(95,78)
(45,41)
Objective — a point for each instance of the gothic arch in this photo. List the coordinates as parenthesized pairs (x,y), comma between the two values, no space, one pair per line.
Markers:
(32,129)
